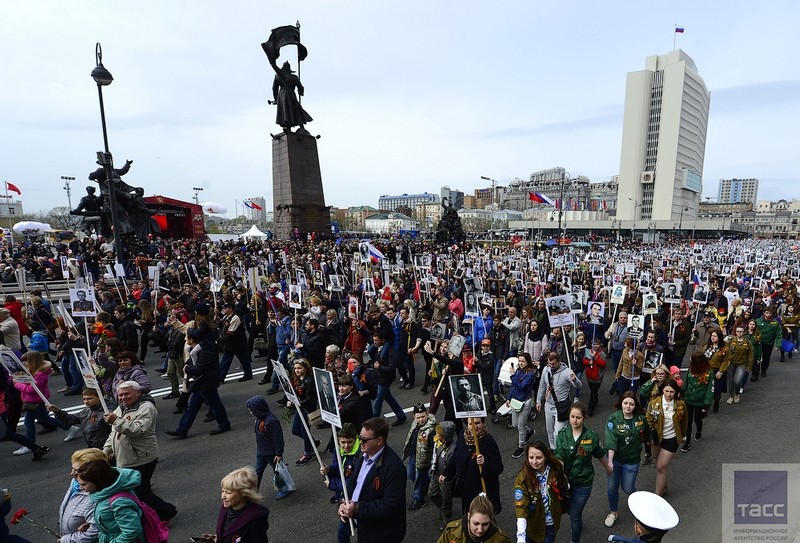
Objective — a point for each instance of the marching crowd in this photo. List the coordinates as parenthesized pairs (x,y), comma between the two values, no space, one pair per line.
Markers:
(671,332)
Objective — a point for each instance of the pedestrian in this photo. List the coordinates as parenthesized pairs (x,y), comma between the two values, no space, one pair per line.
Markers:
(718,356)
(629,370)
(76,513)
(667,418)
(32,404)
(741,363)
(242,518)
(576,445)
(626,431)
(555,386)
(418,454)
(269,437)
(234,340)
(118,521)
(130,368)
(769,327)
(697,395)
(520,399)
(475,466)
(384,361)
(88,421)
(7,430)
(477,526)
(304,388)
(133,444)
(349,450)
(594,363)
(540,495)
(377,488)
(653,518)
(439,492)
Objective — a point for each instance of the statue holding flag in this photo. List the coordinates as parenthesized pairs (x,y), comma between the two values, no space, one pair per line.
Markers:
(290,111)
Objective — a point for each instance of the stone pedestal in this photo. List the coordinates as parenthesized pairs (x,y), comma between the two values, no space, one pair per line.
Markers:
(298,199)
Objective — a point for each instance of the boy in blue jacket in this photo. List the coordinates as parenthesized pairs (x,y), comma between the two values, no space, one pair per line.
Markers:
(269,438)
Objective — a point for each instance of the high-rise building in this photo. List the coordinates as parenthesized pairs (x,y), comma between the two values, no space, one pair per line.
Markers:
(454,197)
(737,191)
(663,140)
(257,211)
(405,201)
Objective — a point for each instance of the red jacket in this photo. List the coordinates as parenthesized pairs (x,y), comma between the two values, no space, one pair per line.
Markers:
(15,308)
(594,366)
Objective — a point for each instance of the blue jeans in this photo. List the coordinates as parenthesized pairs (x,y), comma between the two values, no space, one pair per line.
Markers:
(385,393)
(42,416)
(420,477)
(579,495)
(72,375)
(549,535)
(578,375)
(624,384)
(616,356)
(262,461)
(196,401)
(299,431)
(625,475)
(495,383)
(227,358)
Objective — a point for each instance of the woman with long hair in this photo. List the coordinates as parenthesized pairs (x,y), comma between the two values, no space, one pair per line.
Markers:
(118,521)
(718,357)
(242,518)
(575,446)
(130,368)
(697,395)
(535,341)
(539,314)
(540,489)
(304,388)
(752,335)
(594,363)
(523,382)
(626,431)
(478,526)
(470,471)
(668,421)
(629,370)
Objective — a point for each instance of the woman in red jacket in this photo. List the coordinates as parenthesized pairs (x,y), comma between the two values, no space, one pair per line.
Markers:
(594,363)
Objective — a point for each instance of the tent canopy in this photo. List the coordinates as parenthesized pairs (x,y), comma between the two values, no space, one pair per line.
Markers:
(253,233)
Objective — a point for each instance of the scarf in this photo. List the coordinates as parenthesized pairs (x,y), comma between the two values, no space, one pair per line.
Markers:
(537,335)
(468,437)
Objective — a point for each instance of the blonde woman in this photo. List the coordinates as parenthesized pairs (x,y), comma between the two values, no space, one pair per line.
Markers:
(242,518)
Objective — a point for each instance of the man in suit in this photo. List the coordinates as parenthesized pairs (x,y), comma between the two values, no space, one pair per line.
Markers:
(377,488)
(82,304)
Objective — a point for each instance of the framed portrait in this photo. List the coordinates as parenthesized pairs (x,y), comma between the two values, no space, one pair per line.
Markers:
(82,302)
(326,395)
(467,395)
(285,383)
(558,310)
(295,296)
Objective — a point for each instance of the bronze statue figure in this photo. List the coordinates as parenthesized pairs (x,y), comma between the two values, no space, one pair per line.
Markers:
(290,112)
(449,229)
(90,208)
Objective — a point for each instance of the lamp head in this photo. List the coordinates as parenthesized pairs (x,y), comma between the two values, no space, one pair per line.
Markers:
(100,75)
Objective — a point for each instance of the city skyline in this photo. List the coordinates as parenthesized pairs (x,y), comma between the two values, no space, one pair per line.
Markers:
(412,105)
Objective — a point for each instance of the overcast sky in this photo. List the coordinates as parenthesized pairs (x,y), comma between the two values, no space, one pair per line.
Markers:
(407,96)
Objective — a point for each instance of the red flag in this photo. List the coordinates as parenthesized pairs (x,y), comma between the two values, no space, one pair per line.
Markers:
(255,206)
(13,188)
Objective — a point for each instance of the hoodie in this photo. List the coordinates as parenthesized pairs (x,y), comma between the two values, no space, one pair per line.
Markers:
(269,435)
(443,448)
(121,521)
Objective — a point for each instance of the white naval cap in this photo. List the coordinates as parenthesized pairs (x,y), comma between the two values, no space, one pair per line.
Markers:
(652,510)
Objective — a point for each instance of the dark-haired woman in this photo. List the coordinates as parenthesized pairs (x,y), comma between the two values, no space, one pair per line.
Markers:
(540,488)
(697,395)
(575,447)
(523,381)
(130,368)
(667,418)
(304,388)
(626,431)
(718,357)
(754,337)
(118,521)
(478,526)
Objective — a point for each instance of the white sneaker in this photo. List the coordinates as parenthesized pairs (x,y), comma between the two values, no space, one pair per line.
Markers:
(611,519)
(21,451)
(72,433)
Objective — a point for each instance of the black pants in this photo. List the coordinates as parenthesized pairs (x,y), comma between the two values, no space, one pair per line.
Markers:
(594,389)
(766,354)
(144,491)
(695,413)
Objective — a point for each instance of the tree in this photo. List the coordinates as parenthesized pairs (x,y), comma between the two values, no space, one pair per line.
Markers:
(58,218)
(474,224)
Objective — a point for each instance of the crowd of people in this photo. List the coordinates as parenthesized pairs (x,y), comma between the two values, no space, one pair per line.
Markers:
(672,331)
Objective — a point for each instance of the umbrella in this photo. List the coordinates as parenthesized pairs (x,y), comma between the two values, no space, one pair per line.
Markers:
(214,208)
(31,229)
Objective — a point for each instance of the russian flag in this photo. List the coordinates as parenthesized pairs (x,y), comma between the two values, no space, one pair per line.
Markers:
(255,206)
(679,29)
(247,204)
(695,277)
(374,253)
(540,198)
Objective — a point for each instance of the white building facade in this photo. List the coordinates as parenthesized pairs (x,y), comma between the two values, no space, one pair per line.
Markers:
(663,140)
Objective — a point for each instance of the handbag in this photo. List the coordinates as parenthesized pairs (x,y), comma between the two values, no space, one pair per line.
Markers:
(787,346)
(562,406)
(282,481)
(517,405)
(457,486)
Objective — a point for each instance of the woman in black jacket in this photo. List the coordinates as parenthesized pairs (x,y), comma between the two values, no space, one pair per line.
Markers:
(304,388)
(470,472)
(242,518)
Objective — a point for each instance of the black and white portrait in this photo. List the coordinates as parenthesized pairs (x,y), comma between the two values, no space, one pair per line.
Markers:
(326,394)
(467,394)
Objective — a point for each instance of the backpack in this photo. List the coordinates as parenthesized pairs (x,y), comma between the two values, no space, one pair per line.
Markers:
(154,529)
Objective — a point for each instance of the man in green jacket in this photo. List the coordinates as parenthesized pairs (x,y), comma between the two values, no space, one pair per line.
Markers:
(770,330)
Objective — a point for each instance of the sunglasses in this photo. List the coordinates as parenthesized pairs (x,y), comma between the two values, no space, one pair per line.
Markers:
(366,439)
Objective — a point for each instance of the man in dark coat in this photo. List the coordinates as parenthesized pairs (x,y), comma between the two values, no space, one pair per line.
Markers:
(377,488)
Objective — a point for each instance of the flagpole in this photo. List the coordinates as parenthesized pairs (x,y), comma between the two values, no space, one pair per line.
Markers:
(10,225)
(674,36)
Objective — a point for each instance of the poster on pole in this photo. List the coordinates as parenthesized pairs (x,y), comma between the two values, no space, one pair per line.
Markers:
(87,372)
(326,395)
(20,373)
(82,302)
(635,327)
(672,293)
(558,311)
(295,297)
(650,303)
(285,383)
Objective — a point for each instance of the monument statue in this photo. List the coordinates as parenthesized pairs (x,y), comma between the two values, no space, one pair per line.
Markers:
(290,112)
(90,208)
(133,216)
(449,228)
(298,199)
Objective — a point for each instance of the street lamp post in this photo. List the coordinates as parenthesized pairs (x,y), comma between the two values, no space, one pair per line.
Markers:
(196,192)
(561,208)
(103,78)
(633,226)
(67,179)
(680,223)
(491,226)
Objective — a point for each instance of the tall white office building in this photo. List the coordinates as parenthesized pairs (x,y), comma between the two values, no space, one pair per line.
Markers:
(738,191)
(663,140)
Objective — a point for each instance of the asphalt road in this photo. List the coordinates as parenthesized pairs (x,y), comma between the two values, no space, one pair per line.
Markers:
(762,428)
